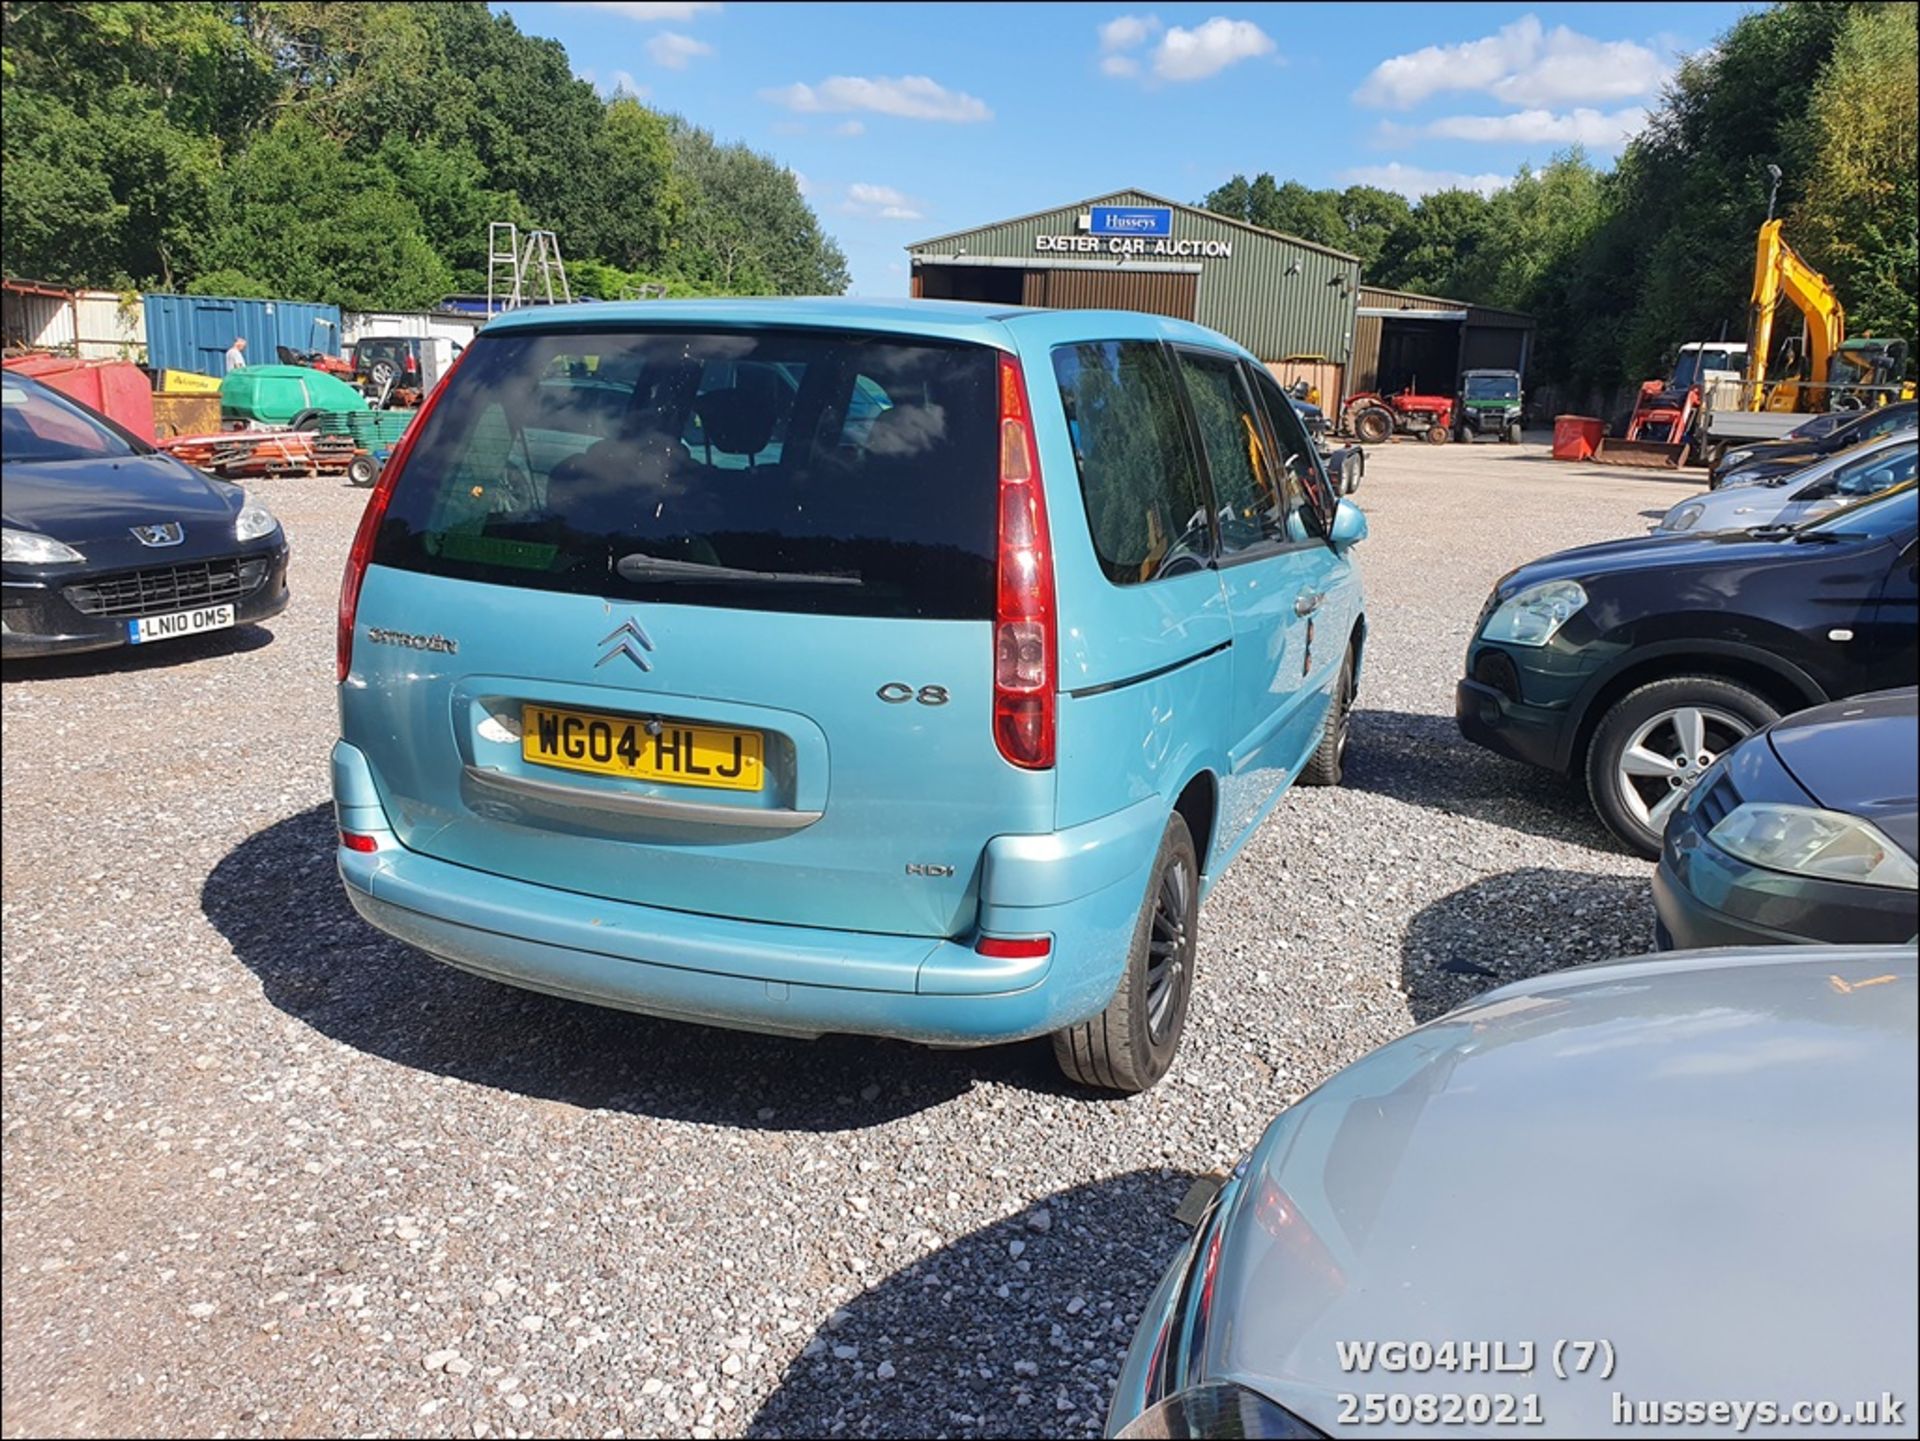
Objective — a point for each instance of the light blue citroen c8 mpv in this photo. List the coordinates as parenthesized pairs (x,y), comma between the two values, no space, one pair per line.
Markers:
(908,669)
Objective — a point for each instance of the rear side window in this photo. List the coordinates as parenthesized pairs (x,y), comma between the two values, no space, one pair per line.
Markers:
(1310,500)
(770,470)
(1139,478)
(1246,484)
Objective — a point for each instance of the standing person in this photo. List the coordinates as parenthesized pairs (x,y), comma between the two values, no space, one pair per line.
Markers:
(237,354)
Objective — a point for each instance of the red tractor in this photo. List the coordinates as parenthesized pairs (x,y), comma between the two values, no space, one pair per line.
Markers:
(1374,418)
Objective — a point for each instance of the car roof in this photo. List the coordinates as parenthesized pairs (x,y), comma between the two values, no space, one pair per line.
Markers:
(997,325)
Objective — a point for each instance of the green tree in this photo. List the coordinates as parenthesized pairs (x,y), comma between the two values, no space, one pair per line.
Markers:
(746,228)
(637,204)
(357,153)
(1436,249)
(1291,208)
(1858,222)
(1370,215)
(298,215)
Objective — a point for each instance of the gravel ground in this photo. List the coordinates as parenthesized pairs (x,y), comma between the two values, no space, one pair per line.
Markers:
(266,1171)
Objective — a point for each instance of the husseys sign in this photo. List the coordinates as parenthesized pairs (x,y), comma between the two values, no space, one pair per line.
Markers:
(1159,245)
(1145,230)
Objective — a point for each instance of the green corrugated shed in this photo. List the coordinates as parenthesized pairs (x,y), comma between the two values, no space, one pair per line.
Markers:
(1276,294)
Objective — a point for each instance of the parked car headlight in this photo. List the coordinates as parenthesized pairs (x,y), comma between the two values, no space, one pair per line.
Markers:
(1807,841)
(1683,517)
(255,521)
(1222,1410)
(1733,458)
(28,547)
(1740,477)
(1535,615)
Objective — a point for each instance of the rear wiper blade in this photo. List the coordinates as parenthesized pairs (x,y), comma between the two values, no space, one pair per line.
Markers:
(653,567)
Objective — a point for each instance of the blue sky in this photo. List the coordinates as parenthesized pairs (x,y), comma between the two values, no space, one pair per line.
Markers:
(906,121)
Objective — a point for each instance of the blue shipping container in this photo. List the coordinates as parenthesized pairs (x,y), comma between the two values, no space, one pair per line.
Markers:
(192,332)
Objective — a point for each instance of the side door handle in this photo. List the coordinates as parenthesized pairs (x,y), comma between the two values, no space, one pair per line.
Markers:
(1308,601)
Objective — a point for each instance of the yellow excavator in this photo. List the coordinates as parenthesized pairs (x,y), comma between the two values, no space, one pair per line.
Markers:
(1828,372)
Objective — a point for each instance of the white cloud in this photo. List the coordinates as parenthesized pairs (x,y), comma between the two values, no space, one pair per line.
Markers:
(643,10)
(1413,181)
(911,97)
(1523,64)
(676,51)
(1184,54)
(1594,129)
(1119,65)
(1124,32)
(881,200)
(850,128)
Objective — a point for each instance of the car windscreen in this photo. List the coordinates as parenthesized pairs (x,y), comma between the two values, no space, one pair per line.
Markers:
(1493,387)
(1885,421)
(38,424)
(1878,517)
(772,470)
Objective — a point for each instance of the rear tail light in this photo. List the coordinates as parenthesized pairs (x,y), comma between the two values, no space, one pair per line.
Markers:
(1013,948)
(355,842)
(371,517)
(1026,665)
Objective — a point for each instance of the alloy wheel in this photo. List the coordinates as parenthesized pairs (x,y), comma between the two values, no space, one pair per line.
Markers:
(1666,755)
(1168,943)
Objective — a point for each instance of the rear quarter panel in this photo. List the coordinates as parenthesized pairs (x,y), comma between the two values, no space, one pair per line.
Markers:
(1143,668)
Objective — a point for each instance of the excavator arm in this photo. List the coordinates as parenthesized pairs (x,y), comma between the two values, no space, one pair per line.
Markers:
(1779,273)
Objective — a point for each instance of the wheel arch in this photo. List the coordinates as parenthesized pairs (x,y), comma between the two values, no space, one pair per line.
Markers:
(1198,804)
(1783,684)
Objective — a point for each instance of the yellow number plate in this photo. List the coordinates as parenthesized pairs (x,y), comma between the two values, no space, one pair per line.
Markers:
(682,755)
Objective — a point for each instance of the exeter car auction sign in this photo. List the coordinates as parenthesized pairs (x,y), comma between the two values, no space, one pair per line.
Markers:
(1136,245)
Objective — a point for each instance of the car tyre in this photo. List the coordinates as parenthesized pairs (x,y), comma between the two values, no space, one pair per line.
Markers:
(1327,764)
(1373,425)
(1130,1045)
(1634,795)
(1438,435)
(1515,434)
(309,420)
(363,470)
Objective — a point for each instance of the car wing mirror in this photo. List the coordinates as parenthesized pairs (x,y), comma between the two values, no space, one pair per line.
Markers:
(1349,526)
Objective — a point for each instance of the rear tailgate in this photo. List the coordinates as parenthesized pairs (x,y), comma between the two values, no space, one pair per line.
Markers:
(702,622)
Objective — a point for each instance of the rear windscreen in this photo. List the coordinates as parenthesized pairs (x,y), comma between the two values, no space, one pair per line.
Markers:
(768,470)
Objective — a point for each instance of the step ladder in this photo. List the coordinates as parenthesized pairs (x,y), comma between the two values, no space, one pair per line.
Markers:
(523,270)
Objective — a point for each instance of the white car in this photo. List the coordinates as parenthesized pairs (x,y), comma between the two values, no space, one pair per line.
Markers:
(1788,499)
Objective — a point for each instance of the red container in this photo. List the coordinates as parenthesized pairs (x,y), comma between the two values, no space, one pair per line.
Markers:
(1576,437)
(116,389)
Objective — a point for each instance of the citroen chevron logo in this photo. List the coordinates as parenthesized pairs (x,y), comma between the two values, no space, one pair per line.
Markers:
(632,640)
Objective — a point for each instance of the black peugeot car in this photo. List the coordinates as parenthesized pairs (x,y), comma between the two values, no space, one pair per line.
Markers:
(1637,663)
(1806,831)
(109,542)
(1765,459)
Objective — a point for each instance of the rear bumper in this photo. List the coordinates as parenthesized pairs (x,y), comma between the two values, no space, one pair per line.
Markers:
(36,618)
(1526,733)
(1083,888)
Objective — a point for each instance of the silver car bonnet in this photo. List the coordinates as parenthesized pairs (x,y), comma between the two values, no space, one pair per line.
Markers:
(1743,507)
(1706,1161)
